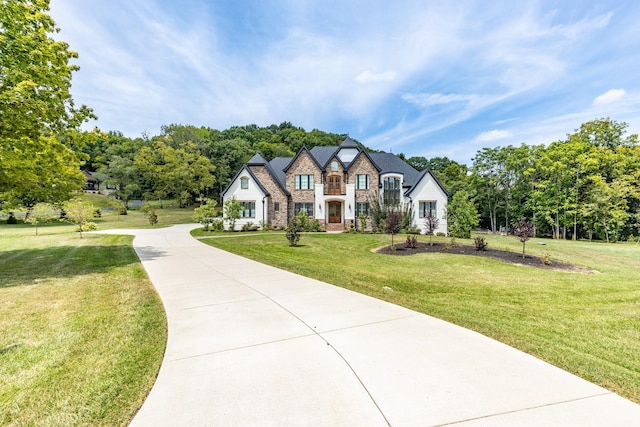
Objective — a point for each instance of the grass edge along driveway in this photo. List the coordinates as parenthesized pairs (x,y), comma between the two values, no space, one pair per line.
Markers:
(587,324)
(82,330)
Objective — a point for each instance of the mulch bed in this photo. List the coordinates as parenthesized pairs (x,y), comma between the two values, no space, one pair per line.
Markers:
(497,254)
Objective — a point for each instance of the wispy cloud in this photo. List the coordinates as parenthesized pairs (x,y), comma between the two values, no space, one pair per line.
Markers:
(418,77)
(610,97)
(493,135)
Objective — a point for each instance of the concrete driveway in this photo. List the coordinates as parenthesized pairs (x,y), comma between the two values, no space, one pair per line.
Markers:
(252,345)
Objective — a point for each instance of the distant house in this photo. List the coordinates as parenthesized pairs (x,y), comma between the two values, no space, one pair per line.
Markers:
(334,185)
(94,185)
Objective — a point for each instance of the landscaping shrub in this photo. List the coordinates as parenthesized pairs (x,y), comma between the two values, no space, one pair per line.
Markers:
(546,258)
(363,221)
(152,217)
(293,231)
(441,234)
(480,243)
(217,224)
(97,213)
(87,226)
(249,226)
(12,219)
(411,242)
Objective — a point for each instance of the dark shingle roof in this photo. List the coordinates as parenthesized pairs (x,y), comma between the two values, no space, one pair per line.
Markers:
(323,154)
(257,159)
(277,166)
(388,162)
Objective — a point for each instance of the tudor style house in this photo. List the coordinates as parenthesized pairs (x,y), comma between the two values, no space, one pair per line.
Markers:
(334,185)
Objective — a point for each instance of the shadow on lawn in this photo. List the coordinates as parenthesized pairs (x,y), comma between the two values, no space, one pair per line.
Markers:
(27,267)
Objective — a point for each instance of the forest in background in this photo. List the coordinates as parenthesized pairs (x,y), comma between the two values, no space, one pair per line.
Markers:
(582,187)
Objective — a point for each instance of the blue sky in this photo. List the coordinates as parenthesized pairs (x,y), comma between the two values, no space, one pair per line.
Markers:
(426,78)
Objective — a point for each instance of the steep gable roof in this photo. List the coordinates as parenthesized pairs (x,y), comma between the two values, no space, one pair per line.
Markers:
(276,173)
(303,149)
(421,176)
(245,167)
(277,165)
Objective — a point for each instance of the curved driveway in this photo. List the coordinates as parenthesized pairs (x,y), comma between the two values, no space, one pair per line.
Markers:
(252,345)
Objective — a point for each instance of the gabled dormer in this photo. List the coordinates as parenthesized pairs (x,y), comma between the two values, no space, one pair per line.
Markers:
(348,151)
(303,172)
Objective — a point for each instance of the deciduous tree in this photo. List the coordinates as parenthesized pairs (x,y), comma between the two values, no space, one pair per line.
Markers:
(36,107)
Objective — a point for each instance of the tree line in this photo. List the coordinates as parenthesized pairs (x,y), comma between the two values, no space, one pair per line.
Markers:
(186,162)
(582,187)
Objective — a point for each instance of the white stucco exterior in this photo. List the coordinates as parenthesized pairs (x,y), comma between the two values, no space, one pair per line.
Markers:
(427,190)
(253,193)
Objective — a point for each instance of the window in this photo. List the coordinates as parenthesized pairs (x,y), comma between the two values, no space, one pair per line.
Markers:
(248,209)
(334,166)
(244,183)
(391,187)
(362,182)
(333,185)
(304,182)
(426,208)
(362,208)
(307,207)
(276,206)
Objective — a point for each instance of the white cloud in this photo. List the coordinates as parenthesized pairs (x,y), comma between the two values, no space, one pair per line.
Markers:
(493,135)
(610,97)
(369,77)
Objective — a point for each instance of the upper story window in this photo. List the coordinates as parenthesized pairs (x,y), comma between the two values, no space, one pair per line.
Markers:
(334,185)
(244,183)
(362,182)
(334,166)
(426,208)
(304,182)
(391,190)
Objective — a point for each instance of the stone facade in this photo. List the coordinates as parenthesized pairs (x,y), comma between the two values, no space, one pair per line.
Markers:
(363,166)
(279,218)
(303,165)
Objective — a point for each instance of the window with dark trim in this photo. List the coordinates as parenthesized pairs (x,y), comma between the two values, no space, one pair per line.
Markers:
(362,208)
(362,182)
(424,208)
(244,183)
(276,206)
(307,207)
(248,209)
(391,190)
(304,182)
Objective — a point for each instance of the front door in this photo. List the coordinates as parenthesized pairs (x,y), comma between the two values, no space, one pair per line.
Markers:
(335,212)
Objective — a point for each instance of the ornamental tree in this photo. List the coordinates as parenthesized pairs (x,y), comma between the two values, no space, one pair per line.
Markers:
(524,230)
(41,214)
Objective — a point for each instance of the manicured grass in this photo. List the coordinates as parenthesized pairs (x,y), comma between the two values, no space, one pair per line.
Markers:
(82,331)
(109,219)
(588,324)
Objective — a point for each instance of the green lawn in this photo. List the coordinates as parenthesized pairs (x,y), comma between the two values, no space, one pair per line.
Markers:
(588,324)
(82,330)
